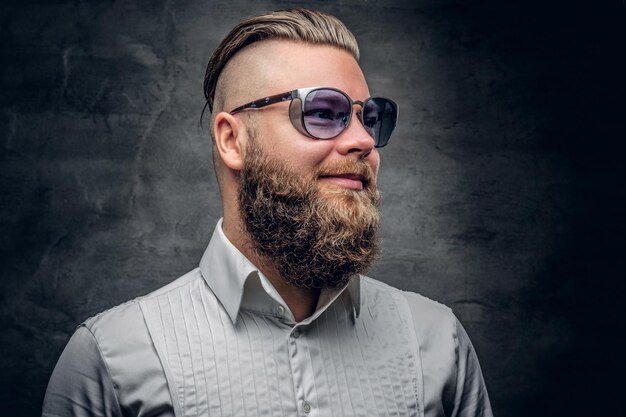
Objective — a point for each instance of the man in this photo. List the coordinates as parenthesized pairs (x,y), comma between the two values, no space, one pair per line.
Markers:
(277,320)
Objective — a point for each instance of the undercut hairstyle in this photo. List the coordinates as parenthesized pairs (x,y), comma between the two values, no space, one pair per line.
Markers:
(300,25)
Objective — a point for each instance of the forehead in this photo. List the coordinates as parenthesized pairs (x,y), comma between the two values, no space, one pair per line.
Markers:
(275,66)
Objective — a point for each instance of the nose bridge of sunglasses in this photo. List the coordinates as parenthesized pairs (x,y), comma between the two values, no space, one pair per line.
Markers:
(359,103)
(359,112)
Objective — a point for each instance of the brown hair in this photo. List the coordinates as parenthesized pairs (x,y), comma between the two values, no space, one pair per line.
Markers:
(303,25)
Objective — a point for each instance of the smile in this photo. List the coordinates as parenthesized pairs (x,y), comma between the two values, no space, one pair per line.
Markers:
(350,181)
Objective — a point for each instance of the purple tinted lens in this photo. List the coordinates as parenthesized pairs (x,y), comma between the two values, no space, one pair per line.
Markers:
(326,113)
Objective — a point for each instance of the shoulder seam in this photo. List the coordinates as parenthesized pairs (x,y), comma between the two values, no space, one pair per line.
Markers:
(90,320)
(434,303)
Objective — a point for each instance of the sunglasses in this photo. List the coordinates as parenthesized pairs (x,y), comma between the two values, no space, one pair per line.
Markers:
(324,112)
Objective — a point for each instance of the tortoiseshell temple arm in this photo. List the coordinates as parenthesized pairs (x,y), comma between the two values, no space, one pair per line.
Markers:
(257,104)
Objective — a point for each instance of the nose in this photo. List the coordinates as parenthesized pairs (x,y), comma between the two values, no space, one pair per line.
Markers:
(355,140)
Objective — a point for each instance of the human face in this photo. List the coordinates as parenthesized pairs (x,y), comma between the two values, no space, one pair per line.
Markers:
(284,66)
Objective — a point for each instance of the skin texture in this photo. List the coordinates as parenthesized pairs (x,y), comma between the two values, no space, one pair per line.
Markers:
(271,67)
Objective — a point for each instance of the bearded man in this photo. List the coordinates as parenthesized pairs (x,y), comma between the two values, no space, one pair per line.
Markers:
(277,320)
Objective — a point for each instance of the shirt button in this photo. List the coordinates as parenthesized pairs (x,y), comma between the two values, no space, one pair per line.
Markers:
(295,334)
(306,407)
(280,310)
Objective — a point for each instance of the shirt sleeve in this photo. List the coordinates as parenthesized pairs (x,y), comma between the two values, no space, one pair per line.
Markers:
(471,398)
(80,384)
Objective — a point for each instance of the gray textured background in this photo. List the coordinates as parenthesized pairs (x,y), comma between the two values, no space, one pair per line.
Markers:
(503,186)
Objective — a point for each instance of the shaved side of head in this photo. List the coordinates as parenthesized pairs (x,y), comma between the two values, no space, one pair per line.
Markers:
(246,73)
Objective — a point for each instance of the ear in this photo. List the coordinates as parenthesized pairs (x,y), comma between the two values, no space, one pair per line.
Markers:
(229,136)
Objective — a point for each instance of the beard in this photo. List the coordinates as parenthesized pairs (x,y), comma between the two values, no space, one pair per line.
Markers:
(315,237)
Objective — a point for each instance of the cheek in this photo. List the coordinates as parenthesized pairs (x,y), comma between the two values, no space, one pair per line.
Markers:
(278,135)
(302,152)
(374,161)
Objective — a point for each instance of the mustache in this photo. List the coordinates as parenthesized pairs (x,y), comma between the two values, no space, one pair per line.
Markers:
(359,168)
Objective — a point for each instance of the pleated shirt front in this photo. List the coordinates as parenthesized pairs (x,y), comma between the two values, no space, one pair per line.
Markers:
(220,341)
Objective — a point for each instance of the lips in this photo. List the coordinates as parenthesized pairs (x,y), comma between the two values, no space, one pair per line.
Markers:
(349,180)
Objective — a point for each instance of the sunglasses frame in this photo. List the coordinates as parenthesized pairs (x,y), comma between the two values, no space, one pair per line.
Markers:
(297,119)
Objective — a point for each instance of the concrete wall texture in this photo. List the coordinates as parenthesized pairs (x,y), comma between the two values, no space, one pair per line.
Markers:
(503,186)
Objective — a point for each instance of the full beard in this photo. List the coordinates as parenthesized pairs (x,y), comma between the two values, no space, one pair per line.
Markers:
(315,237)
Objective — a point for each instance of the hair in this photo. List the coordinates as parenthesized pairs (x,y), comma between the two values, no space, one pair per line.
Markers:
(303,25)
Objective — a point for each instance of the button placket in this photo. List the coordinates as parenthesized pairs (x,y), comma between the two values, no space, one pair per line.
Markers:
(301,370)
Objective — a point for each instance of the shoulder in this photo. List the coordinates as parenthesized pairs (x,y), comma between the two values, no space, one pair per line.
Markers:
(432,326)
(453,382)
(427,315)
(128,317)
(122,333)
(118,353)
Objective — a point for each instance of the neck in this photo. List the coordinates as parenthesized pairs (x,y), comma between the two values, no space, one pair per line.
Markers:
(301,301)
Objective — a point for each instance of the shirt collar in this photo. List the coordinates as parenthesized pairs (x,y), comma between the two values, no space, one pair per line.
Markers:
(237,283)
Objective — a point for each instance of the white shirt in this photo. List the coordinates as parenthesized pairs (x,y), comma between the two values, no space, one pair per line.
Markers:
(220,341)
